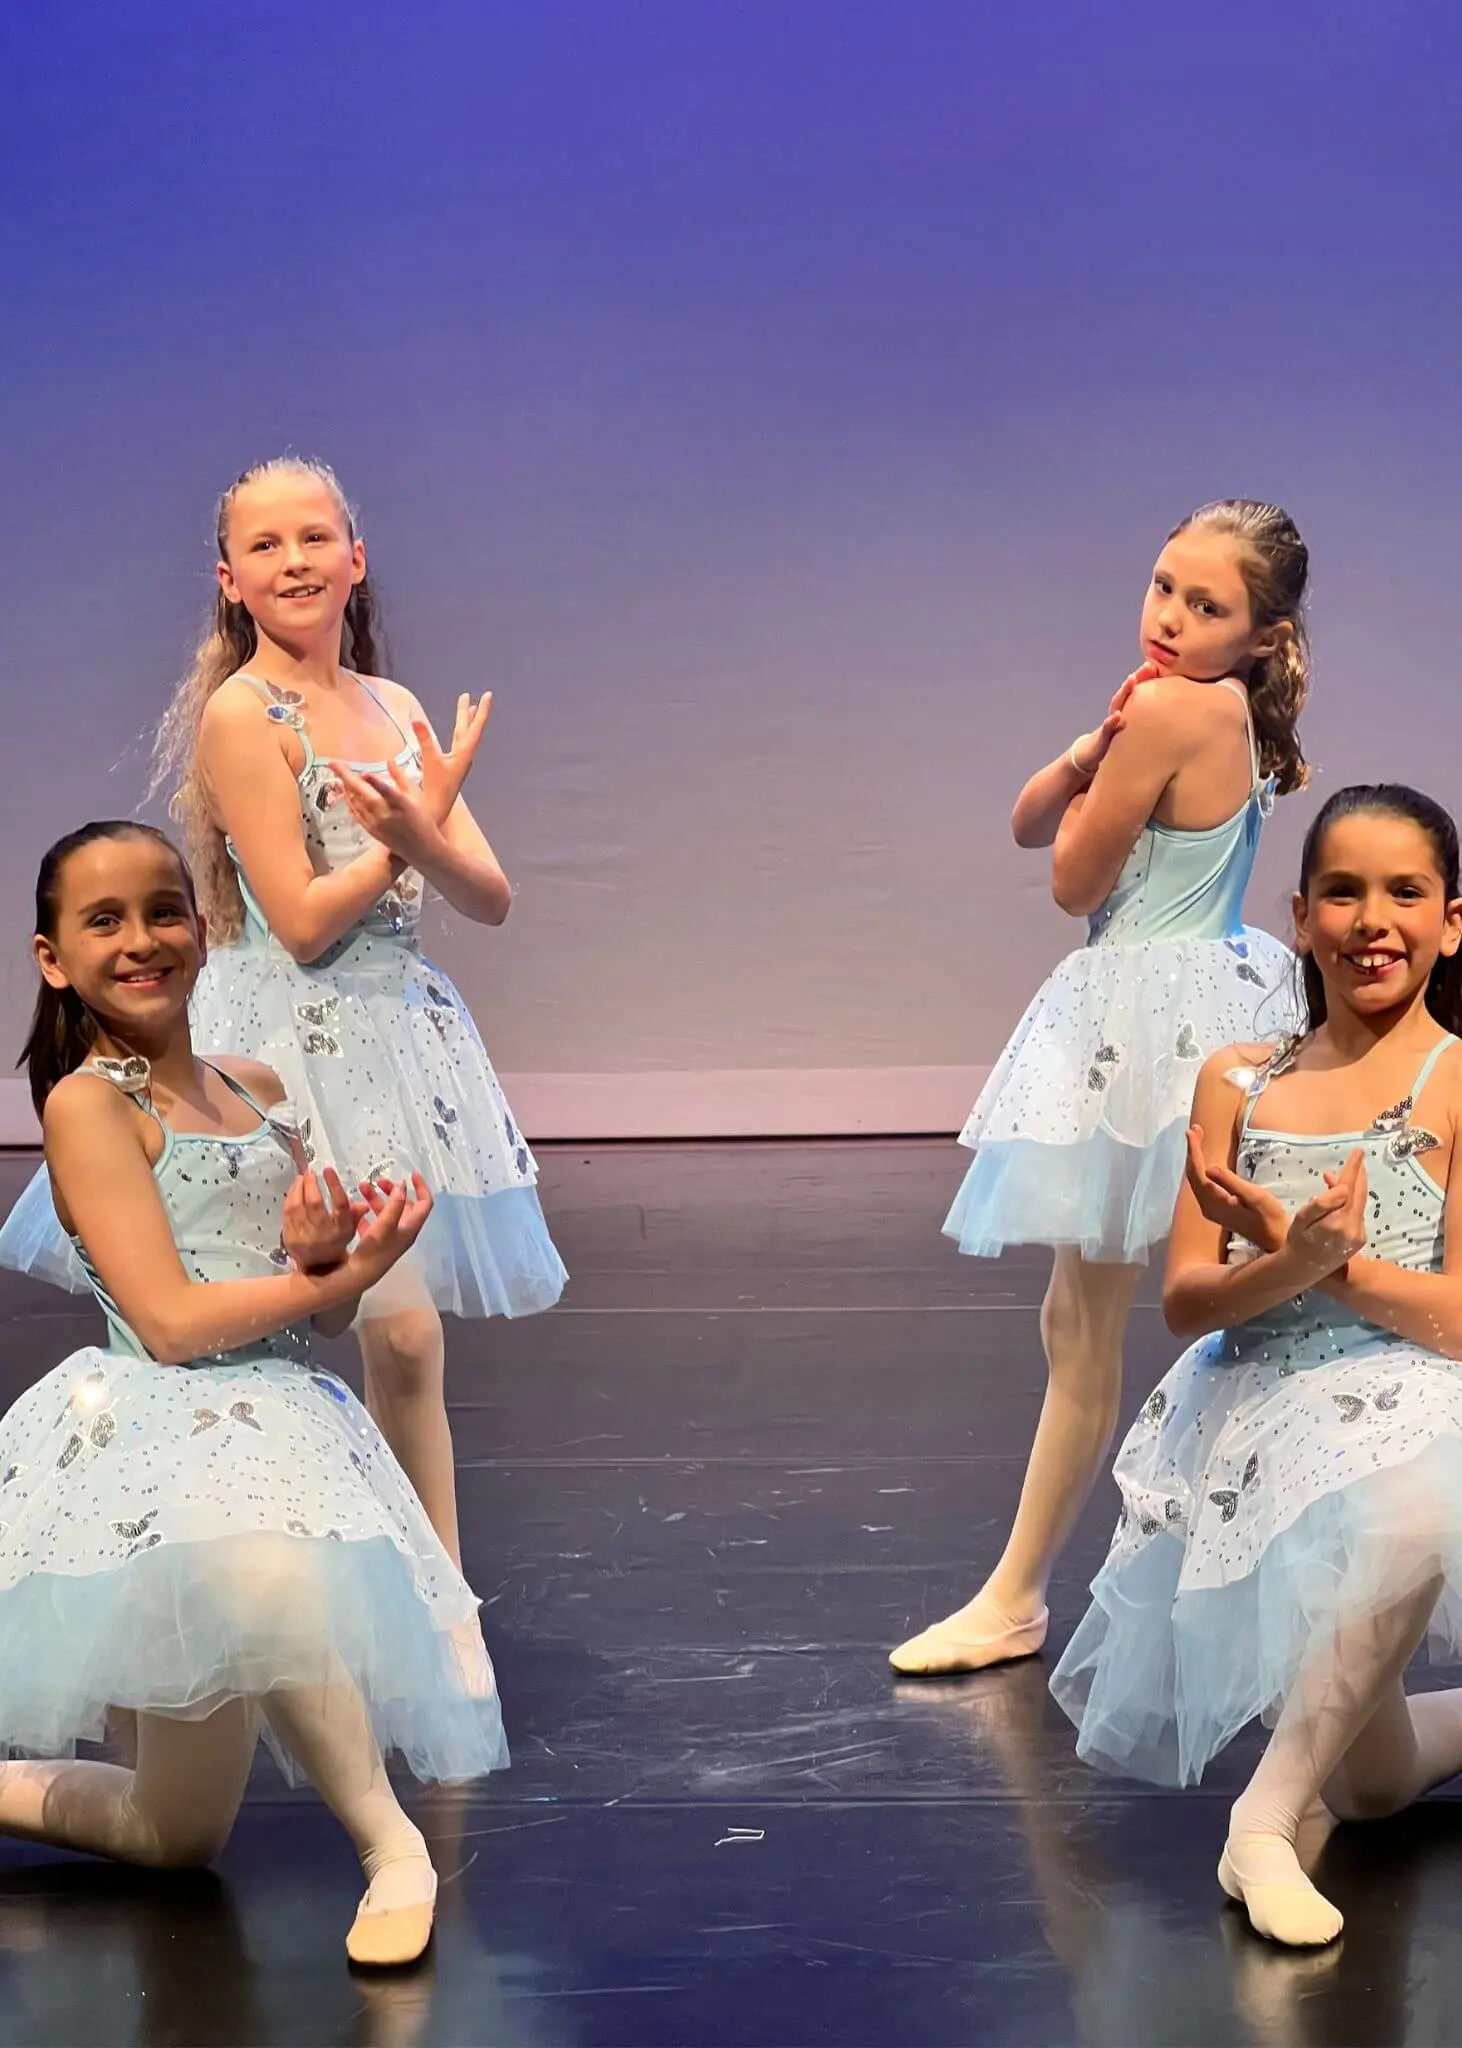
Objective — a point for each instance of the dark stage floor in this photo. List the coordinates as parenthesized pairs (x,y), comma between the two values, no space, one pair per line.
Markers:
(778,1424)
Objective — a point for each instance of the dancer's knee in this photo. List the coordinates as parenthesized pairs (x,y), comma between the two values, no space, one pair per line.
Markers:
(181,1838)
(266,1585)
(1084,1320)
(403,1354)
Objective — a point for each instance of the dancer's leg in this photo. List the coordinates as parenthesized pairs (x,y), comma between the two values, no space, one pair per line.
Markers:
(327,1729)
(1412,1743)
(1341,1711)
(1083,1324)
(404,1356)
(175,1810)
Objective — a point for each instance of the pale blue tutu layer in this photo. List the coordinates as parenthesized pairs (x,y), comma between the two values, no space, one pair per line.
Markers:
(380,1057)
(1114,1201)
(182,1629)
(173,1537)
(1265,1525)
(490,1255)
(32,1240)
(1078,1133)
(485,1255)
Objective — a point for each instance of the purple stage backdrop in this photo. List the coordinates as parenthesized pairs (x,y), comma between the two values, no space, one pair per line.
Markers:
(778,407)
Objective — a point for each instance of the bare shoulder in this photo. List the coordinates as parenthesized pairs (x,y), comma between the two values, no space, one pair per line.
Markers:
(234,708)
(395,696)
(1231,1065)
(261,1082)
(84,1102)
(1181,704)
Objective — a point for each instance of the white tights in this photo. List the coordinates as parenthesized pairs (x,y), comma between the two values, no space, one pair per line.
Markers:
(1349,1736)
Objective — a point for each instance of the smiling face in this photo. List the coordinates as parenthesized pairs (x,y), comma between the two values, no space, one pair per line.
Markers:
(1376,917)
(1198,617)
(290,558)
(125,936)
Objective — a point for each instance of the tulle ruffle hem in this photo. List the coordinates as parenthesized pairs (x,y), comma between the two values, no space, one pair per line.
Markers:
(1268,1515)
(1078,1133)
(172,1537)
(379,1054)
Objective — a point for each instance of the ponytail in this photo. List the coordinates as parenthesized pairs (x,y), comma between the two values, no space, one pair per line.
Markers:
(62,1033)
(1275,565)
(1278,687)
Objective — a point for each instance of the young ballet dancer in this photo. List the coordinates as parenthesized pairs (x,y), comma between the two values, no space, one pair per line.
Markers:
(1153,820)
(1291,1526)
(316,803)
(197,1523)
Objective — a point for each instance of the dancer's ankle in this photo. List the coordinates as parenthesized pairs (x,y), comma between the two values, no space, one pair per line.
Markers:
(406,1845)
(1016,1605)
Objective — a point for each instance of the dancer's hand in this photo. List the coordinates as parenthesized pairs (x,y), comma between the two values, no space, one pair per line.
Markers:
(1090,749)
(320,1223)
(393,809)
(1236,1205)
(442,775)
(1331,1228)
(395,1214)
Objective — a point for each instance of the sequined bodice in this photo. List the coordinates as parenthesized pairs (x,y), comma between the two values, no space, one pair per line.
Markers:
(224,1198)
(333,838)
(1186,885)
(1404,1221)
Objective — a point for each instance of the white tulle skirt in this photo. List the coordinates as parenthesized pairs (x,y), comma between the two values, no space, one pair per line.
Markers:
(1079,1132)
(1267,1513)
(173,1537)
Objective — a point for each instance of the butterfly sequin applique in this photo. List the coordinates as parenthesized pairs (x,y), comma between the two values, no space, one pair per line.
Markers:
(1251,1079)
(1226,1498)
(323,1018)
(133,1076)
(285,707)
(1103,1059)
(1352,1407)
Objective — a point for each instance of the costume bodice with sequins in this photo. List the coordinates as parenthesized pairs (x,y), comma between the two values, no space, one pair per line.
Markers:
(1187,885)
(224,1199)
(1404,1219)
(333,838)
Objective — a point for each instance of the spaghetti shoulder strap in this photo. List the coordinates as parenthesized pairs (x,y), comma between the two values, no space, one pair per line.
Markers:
(1255,777)
(282,707)
(381,705)
(232,1081)
(1254,1080)
(1429,1063)
(130,1077)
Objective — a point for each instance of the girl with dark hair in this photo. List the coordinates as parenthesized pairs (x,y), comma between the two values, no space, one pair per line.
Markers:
(1291,1526)
(1153,821)
(316,805)
(229,1547)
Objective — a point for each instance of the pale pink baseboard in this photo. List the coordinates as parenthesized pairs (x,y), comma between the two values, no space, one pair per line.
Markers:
(812,1102)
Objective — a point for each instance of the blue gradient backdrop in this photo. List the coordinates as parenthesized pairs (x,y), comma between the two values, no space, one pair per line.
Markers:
(777,406)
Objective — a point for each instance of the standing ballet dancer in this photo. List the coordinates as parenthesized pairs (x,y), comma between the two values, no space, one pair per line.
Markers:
(197,1524)
(1291,1526)
(1153,820)
(316,801)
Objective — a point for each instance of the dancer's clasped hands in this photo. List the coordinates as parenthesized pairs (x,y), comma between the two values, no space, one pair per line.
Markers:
(324,1226)
(407,815)
(1090,750)
(1319,1238)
